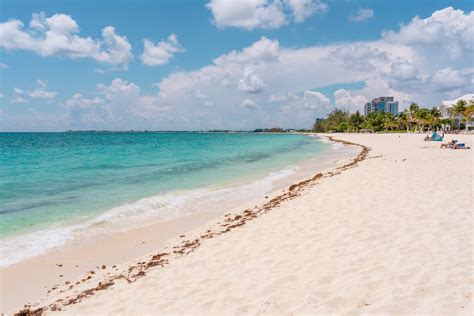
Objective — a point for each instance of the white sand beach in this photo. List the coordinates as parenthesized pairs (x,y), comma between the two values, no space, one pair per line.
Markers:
(392,234)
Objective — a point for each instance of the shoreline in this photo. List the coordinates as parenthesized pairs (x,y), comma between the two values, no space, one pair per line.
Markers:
(69,262)
(227,223)
(164,206)
(392,236)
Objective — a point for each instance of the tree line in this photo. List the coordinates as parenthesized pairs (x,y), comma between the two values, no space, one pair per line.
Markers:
(414,118)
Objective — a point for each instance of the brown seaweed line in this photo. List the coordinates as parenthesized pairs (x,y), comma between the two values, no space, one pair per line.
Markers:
(139,270)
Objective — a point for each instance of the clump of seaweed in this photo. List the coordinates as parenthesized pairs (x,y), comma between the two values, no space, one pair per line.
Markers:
(186,247)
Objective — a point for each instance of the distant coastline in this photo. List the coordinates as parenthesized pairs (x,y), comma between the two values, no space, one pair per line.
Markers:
(257,130)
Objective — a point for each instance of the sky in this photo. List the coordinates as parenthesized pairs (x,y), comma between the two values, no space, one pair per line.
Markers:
(224,64)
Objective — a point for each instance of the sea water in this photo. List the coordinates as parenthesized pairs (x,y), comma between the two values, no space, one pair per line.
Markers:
(54,185)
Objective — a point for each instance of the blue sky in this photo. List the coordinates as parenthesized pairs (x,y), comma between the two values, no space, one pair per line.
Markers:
(281,63)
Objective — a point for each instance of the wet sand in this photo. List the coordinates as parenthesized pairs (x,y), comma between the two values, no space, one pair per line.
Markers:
(60,268)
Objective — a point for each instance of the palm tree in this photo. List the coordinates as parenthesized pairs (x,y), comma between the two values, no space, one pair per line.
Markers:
(403,121)
(389,122)
(435,112)
(412,110)
(435,115)
(468,113)
(458,108)
(355,121)
(430,121)
(446,121)
(421,117)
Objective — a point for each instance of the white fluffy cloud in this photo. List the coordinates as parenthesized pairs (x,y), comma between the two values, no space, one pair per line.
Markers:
(303,107)
(18,96)
(266,14)
(119,89)
(115,49)
(344,99)
(203,98)
(406,77)
(302,9)
(294,85)
(448,30)
(279,98)
(249,104)
(362,14)
(314,100)
(77,100)
(162,52)
(359,56)
(403,70)
(261,51)
(250,81)
(58,35)
(87,113)
(120,105)
(403,75)
(288,80)
(447,78)
(41,91)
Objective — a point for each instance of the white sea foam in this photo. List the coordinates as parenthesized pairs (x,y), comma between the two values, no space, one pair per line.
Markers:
(335,145)
(189,201)
(17,248)
(130,215)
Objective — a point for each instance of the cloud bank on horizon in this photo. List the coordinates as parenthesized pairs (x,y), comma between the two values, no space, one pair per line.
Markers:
(264,84)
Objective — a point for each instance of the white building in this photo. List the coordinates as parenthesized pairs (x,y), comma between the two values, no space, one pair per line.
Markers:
(446,108)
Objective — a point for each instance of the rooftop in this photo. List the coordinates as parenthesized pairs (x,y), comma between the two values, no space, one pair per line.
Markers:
(467,97)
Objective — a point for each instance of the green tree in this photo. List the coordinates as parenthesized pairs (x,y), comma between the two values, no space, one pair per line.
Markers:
(458,109)
(430,121)
(414,117)
(412,110)
(422,118)
(341,128)
(374,121)
(333,121)
(403,121)
(446,121)
(433,118)
(318,126)
(355,121)
(468,113)
(435,112)
(389,122)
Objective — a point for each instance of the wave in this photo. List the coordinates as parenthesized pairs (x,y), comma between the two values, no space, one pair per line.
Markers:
(130,215)
(335,145)
(151,173)
(16,249)
(184,202)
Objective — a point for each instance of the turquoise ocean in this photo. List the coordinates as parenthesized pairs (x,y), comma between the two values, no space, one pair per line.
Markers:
(54,185)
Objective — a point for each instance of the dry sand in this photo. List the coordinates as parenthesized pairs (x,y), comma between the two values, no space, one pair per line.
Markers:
(392,235)
(62,267)
(77,257)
